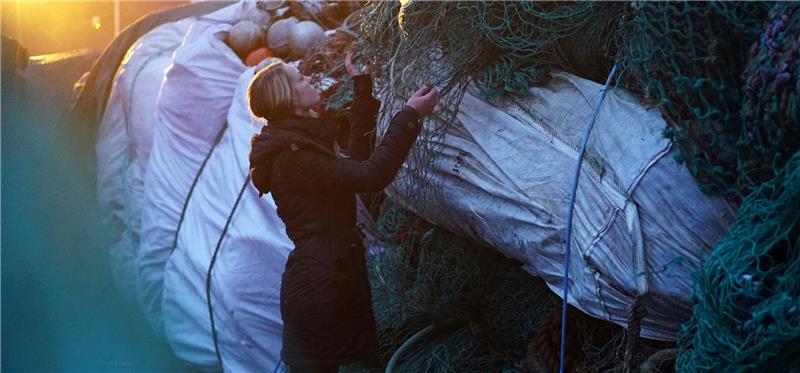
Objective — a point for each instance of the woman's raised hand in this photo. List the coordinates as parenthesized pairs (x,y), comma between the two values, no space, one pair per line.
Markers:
(352,70)
(424,100)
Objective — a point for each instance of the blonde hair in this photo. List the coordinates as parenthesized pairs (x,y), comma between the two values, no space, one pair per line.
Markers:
(270,93)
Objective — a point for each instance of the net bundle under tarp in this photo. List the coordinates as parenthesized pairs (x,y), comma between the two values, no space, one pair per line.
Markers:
(725,75)
(747,314)
(688,57)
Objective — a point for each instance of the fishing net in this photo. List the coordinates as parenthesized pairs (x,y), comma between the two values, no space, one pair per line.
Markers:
(505,47)
(770,112)
(442,301)
(747,314)
(480,307)
(446,304)
(687,57)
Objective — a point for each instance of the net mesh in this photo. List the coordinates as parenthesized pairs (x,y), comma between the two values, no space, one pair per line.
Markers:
(430,277)
(688,57)
(747,313)
(725,76)
(770,109)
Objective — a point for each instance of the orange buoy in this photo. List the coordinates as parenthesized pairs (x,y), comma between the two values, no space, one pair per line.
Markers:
(257,56)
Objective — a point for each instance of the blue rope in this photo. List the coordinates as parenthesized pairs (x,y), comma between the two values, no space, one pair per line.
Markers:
(568,231)
(211,268)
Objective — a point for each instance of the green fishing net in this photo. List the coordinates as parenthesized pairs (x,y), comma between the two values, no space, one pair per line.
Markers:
(443,303)
(482,307)
(770,109)
(747,314)
(688,57)
(725,76)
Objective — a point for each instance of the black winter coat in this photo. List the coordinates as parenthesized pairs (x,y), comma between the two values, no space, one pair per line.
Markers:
(325,294)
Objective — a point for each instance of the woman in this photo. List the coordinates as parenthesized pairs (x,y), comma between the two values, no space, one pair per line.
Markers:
(325,293)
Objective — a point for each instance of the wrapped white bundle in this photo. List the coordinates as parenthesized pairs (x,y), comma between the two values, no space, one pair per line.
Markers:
(124,139)
(245,281)
(641,225)
(192,109)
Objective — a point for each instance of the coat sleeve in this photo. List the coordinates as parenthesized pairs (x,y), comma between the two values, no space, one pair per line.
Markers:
(363,119)
(314,171)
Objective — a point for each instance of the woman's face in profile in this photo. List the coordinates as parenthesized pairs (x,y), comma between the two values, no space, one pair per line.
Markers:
(306,95)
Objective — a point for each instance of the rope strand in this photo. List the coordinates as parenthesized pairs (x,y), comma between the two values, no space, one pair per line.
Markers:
(568,230)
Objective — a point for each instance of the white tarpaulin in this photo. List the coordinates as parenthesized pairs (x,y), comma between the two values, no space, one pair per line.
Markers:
(641,225)
(192,108)
(245,281)
(124,138)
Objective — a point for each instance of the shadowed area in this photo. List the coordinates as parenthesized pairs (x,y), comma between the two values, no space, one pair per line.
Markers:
(60,310)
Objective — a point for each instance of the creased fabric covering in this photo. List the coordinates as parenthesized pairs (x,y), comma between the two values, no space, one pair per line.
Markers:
(123,144)
(641,225)
(192,109)
(245,281)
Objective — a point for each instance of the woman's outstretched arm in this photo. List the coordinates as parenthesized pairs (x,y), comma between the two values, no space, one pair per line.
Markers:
(319,172)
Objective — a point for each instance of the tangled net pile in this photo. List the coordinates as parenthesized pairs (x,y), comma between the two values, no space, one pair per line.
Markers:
(688,57)
(484,307)
(748,311)
(771,107)
(726,77)
(748,289)
(446,304)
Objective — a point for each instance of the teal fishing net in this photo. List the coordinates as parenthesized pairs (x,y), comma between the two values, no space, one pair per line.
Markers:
(480,308)
(770,109)
(688,57)
(725,77)
(747,314)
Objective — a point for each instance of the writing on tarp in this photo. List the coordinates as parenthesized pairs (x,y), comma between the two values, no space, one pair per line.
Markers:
(459,162)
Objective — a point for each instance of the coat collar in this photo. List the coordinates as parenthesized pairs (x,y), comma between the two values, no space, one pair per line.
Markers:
(321,131)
